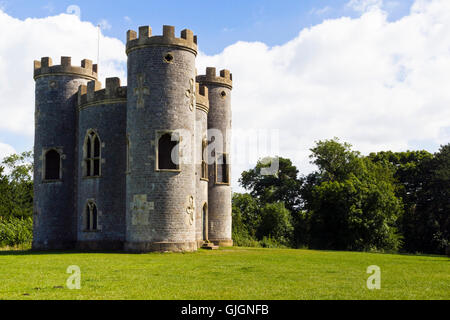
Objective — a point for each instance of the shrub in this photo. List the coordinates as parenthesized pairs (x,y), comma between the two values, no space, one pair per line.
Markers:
(16,231)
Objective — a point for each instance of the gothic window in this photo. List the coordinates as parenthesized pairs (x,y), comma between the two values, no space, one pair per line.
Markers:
(91,216)
(52,165)
(222,169)
(168,152)
(92,155)
(204,163)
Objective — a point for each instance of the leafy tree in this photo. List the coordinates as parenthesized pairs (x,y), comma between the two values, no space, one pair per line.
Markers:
(276,224)
(284,186)
(246,215)
(423,184)
(351,200)
(408,171)
(16,198)
(430,219)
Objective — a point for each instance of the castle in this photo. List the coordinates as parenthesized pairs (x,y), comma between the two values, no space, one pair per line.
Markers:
(133,168)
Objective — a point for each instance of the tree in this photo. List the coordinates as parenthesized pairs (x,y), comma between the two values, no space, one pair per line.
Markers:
(246,215)
(16,198)
(431,217)
(276,224)
(351,200)
(284,186)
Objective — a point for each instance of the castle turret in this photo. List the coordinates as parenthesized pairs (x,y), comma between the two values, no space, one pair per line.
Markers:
(102,165)
(54,150)
(201,164)
(160,123)
(219,136)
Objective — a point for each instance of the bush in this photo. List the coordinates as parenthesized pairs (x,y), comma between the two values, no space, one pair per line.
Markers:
(16,231)
(268,242)
(276,224)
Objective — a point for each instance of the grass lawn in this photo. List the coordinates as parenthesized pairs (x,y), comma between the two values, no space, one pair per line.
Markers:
(235,273)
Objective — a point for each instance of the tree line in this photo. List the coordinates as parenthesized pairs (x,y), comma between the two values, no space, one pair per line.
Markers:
(16,200)
(386,201)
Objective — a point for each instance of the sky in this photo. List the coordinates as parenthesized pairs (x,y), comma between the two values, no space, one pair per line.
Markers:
(374,73)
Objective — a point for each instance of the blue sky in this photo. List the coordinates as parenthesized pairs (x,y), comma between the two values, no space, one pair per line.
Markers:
(374,73)
(218,23)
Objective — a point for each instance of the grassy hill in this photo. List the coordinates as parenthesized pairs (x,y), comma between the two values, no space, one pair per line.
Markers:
(235,273)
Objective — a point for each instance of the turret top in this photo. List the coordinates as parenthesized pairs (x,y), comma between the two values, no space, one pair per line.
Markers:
(186,41)
(225,79)
(201,97)
(45,67)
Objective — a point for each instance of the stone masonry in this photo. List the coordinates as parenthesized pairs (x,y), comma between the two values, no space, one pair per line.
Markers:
(139,168)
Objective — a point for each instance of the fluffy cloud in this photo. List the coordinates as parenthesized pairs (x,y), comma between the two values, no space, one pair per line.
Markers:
(31,39)
(364,5)
(374,83)
(5,150)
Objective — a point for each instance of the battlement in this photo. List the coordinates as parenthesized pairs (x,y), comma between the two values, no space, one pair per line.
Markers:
(93,94)
(224,79)
(144,39)
(201,96)
(45,67)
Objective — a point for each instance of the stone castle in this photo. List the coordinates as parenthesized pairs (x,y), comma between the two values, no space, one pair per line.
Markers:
(132,168)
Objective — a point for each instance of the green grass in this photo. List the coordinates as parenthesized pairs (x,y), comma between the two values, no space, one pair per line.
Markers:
(235,273)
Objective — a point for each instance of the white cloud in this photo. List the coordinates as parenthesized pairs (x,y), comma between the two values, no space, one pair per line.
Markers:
(376,84)
(5,150)
(31,39)
(365,5)
(104,24)
(320,11)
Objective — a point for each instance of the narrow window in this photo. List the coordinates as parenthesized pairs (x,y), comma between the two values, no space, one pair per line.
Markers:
(168,157)
(92,155)
(128,155)
(204,163)
(222,169)
(52,165)
(91,216)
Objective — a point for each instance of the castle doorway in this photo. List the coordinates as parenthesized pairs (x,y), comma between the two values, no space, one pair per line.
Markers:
(205,222)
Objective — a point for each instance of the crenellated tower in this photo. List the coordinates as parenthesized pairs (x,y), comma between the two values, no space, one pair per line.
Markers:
(143,167)
(160,126)
(219,131)
(55,150)
(102,165)
(201,163)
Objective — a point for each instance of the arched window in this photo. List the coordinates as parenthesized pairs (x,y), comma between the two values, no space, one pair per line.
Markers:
(222,169)
(91,216)
(204,163)
(52,165)
(168,152)
(92,155)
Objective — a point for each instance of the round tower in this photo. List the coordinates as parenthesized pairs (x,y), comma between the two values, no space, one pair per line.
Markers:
(201,164)
(160,127)
(219,137)
(102,165)
(55,150)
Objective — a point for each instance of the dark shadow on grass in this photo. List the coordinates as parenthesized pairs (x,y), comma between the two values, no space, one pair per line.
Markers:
(43,253)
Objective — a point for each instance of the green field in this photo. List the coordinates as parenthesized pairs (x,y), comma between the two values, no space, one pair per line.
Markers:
(235,273)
